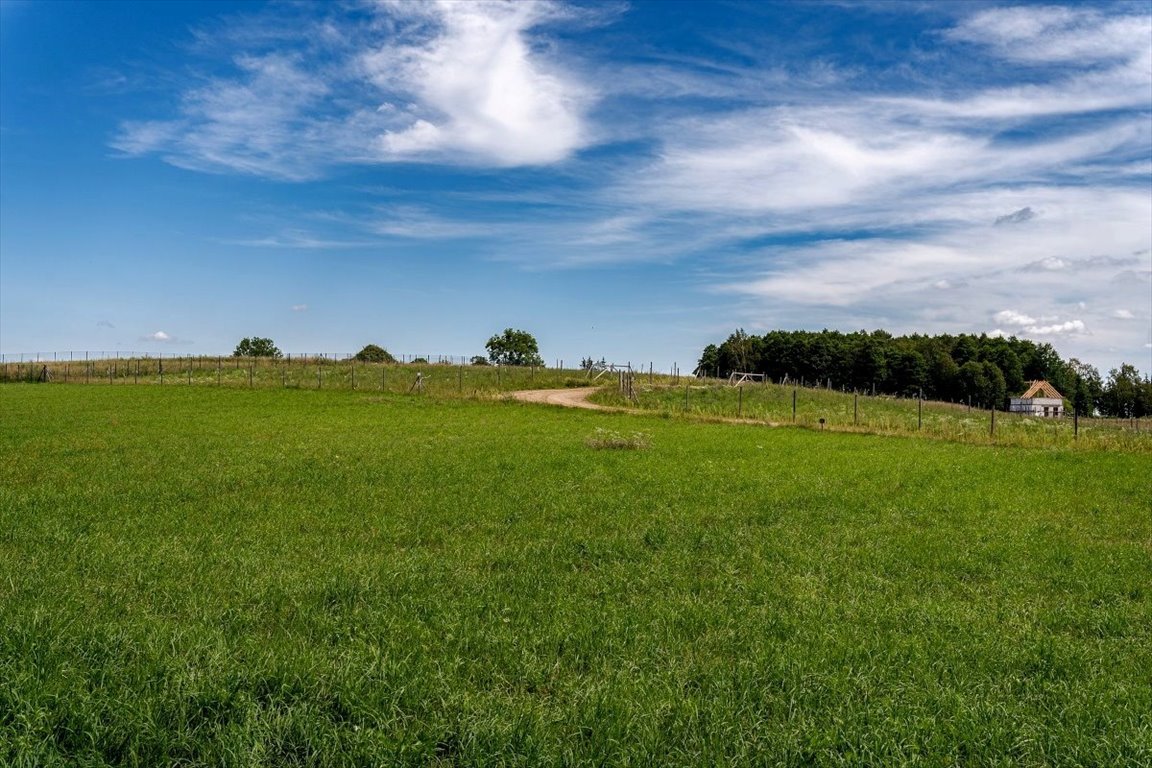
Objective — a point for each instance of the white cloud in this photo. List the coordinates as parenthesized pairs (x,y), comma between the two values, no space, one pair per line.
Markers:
(1012,317)
(481,90)
(472,84)
(160,337)
(1034,326)
(1070,326)
(1055,34)
(299,307)
(1123,314)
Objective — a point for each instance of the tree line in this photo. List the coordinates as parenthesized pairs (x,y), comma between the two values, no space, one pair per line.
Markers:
(983,370)
(512,347)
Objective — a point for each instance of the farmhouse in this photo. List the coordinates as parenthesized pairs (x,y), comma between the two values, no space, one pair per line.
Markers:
(1041,399)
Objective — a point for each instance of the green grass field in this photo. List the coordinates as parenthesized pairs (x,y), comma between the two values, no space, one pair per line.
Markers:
(202,576)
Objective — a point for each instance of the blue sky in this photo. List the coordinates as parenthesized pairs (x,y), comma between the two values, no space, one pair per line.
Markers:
(624,180)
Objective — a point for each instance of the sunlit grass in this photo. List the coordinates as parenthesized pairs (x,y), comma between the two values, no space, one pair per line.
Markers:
(884,415)
(296,577)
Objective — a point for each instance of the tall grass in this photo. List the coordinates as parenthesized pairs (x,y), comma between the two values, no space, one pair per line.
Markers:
(296,577)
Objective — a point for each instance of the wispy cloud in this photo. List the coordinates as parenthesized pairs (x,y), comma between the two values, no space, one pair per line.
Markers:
(801,189)
(444,81)
(297,239)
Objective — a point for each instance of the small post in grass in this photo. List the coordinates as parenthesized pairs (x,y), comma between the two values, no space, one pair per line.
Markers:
(793,405)
(920,410)
(856,409)
(740,403)
(992,423)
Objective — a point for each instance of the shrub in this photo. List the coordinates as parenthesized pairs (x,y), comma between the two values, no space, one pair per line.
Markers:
(373,353)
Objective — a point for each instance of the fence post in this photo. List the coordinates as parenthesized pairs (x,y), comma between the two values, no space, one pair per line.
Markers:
(793,405)
(353,374)
(992,423)
(740,403)
(855,409)
(920,410)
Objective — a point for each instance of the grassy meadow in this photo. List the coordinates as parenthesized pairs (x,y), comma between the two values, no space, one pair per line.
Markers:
(296,372)
(884,415)
(275,576)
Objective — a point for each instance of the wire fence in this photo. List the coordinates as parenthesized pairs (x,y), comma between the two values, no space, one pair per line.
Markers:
(449,376)
(73,356)
(432,374)
(823,407)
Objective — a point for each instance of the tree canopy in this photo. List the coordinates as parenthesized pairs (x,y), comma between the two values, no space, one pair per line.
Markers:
(256,347)
(984,370)
(514,347)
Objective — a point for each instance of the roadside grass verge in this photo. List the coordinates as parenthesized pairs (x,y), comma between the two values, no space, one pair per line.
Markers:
(287,577)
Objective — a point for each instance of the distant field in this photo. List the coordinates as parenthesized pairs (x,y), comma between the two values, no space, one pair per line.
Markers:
(283,576)
(883,415)
(312,372)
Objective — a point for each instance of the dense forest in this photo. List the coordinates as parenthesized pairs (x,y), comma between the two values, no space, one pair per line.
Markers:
(983,370)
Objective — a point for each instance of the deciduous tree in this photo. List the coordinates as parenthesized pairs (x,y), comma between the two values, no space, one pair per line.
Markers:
(514,347)
(256,346)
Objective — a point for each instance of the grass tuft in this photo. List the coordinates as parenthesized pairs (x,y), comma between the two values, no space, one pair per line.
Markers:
(611,440)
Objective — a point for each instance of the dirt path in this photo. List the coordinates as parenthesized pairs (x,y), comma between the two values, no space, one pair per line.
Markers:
(578,398)
(569,398)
